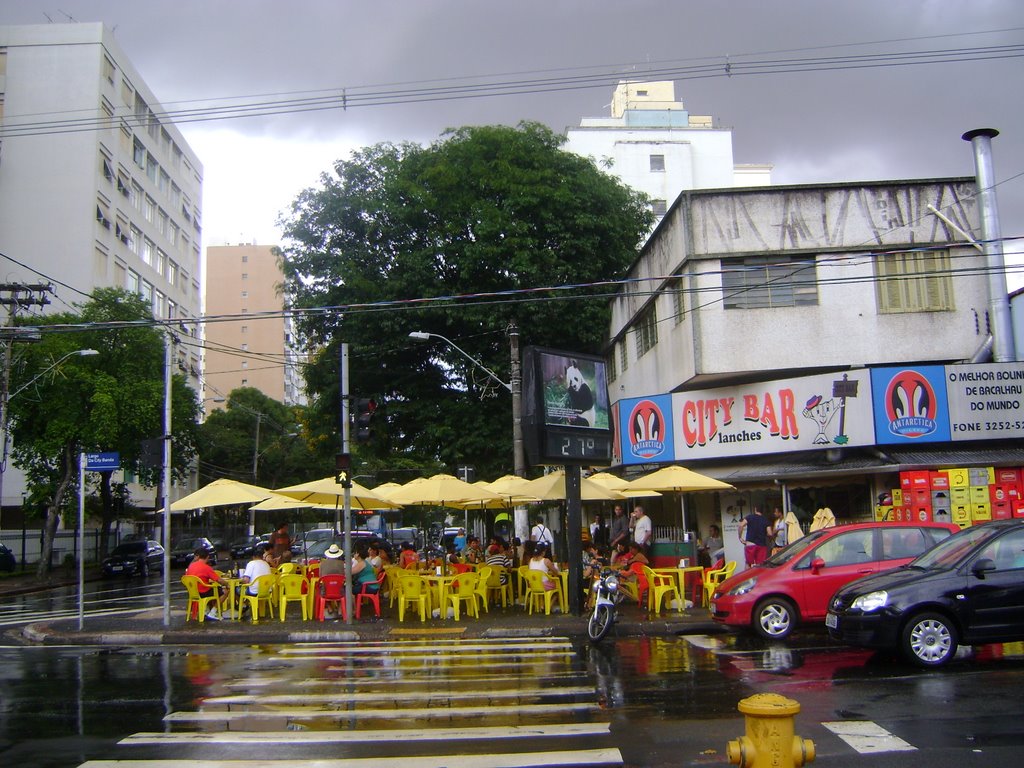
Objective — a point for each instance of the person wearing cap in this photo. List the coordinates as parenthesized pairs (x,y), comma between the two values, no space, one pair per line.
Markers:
(332,562)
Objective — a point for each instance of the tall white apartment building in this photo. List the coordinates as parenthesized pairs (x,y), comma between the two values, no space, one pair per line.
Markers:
(251,341)
(654,145)
(98,188)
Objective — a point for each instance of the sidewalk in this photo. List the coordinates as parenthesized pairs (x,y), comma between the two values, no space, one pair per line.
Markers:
(148,628)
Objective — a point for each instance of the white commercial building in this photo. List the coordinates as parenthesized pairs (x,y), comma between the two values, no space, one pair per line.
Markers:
(98,188)
(654,145)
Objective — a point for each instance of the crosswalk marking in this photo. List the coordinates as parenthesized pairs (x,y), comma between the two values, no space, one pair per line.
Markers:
(358,737)
(867,737)
(442,696)
(433,713)
(270,699)
(609,756)
(504,679)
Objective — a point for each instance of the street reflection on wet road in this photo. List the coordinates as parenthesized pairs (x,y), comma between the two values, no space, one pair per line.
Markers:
(434,695)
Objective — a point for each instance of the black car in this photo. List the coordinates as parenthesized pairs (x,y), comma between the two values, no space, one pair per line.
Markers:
(968,589)
(7,561)
(182,550)
(134,558)
(241,549)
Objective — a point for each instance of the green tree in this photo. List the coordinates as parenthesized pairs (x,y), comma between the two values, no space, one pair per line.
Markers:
(483,211)
(108,402)
(258,440)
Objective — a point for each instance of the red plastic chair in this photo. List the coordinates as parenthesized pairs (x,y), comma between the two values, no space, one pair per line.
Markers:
(330,588)
(365,594)
(461,567)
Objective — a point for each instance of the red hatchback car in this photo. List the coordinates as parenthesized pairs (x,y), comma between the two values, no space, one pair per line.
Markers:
(795,584)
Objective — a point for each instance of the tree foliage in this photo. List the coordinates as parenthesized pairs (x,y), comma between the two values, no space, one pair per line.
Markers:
(500,219)
(62,406)
(258,440)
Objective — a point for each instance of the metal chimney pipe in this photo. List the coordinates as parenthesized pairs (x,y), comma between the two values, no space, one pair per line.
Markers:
(998,300)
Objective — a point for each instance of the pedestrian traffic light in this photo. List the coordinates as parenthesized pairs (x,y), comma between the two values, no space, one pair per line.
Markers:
(365,408)
(343,470)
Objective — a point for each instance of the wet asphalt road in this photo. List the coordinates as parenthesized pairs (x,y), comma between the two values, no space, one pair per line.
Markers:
(666,701)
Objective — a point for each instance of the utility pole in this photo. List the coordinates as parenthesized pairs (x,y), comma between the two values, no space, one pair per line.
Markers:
(14,296)
(520,518)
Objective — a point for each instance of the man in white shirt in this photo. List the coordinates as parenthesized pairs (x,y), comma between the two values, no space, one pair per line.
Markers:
(540,533)
(642,530)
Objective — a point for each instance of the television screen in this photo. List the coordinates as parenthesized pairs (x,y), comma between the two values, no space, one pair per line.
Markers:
(575,391)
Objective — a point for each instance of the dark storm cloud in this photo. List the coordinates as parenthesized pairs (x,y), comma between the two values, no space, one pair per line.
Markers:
(854,124)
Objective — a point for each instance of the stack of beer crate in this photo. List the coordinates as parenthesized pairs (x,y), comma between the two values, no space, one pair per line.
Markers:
(965,496)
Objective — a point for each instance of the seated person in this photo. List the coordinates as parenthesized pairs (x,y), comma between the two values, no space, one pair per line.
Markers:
(594,560)
(542,562)
(497,556)
(332,564)
(408,558)
(473,553)
(200,566)
(364,578)
(625,566)
(254,569)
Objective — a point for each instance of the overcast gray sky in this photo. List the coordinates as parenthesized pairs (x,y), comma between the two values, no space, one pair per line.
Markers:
(820,125)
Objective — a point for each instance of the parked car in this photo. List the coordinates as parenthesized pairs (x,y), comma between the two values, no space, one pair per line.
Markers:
(400,536)
(7,559)
(134,557)
(795,584)
(242,548)
(182,550)
(967,590)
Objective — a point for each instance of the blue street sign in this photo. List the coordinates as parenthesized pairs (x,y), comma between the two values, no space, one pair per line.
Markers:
(102,462)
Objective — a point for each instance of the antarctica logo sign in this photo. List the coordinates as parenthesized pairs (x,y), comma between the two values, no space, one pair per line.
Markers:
(912,404)
(646,429)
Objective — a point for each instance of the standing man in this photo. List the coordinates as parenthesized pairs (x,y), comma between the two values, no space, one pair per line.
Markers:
(279,547)
(643,531)
(753,533)
(541,534)
(619,533)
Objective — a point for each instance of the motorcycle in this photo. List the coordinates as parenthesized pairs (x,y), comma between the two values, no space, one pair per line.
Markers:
(605,589)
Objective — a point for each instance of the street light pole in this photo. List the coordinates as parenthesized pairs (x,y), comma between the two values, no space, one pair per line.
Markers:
(515,389)
(6,397)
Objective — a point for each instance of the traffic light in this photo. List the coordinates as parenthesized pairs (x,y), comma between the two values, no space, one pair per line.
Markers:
(343,470)
(365,408)
(151,453)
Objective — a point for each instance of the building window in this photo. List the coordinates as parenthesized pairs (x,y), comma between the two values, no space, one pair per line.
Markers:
(245,364)
(245,347)
(678,300)
(108,70)
(657,163)
(103,215)
(763,282)
(127,93)
(914,282)
(105,168)
(139,153)
(646,330)
(245,294)
(623,357)
(135,198)
(245,275)
(147,251)
(245,382)
(245,329)
(149,209)
(123,185)
(151,168)
(245,259)
(613,372)
(659,207)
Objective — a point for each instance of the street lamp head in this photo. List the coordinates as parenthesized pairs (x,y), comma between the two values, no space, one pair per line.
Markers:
(86,352)
(420,335)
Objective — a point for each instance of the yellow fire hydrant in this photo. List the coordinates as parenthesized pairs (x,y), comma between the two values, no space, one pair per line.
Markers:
(770,741)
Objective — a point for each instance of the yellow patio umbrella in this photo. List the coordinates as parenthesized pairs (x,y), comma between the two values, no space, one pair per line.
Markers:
(443,490)
(552,488)
(678,479)
(619,484)
(222,493)
(277,501)
(384,490)
(501,501)
(327,491)
(510,485)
